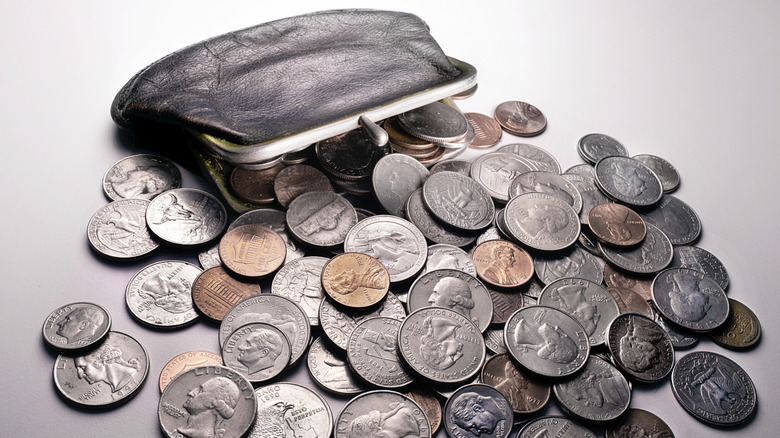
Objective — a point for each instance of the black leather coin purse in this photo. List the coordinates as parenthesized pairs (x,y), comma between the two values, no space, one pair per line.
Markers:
(249,96)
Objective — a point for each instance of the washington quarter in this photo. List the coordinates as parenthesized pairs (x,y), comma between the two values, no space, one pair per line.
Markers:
(118,230)
(628,181)
(160,295)
(141,176)
(186,217)
(458,201)
(640,347)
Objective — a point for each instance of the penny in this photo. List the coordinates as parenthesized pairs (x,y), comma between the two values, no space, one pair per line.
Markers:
(320,219)
(76,326)
(538,157)
(255,186)
(301,281)
(423,396)
(640,348)
(443,256)
(395,177)
(350,156)
(594,147)
(465,94)
(436,122)
(670,178)
(629,301)
(742,330)
(215,292)
(252,250)
(275,220)
(698,259)
(628,181)
(118,230)
(502,264)
(650,257)
(640,285)
(505,303)
(639,423)
(355,280)
(295,180)
(676,219)
(458,201)
(572,262)
(257,350)
(478,410)
(598,394)
(287,407)
(487,130)
(434,156)
(520,118)
(546,182)
(372,353)
(589,192)
(430,227)
(458,166)
(160,295)
(141,176)
(496,171)
(186,217)
(383,412)
(400,137)
(690,299)
(558,427)
(329,369)
(338,323)
(524,392)
(542,222)
(185,362)
(616,225)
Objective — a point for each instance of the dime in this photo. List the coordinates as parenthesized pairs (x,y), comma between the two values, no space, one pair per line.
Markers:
(573,262)
(668,175)
(382,412)
(501,263)
(558,427)
(329,369)
(742,331)
(436,122)
(496,171)
(214,292)
(320,219)
(205,400)
(505,304)
(650,257)
(458,166)
(546,182)
(628,181)
(618,279)
(350,156)
(76,326)
(255,186)
(525,393)
(443,256)
(160,295)
(539,158)
(337,324)
(295,180)
(118,230)
(616,225)
(355,280)
(288,407)
(520,118)
(185,362)
(423,396)
(141,176)
(713,389)
(690,299)
(599,393)
(676,219)
(640,347)
(589,191)
(629,301)
(542,222)
(638,423)
(698,259)
(478,410)
(395,177)
(186,217)
(594,147)
(487,129)
(301,281)
(252,250)
(458,201)
(257,350)
(372,353)
(275,220)
(588,302)
(432,229)
(105,376)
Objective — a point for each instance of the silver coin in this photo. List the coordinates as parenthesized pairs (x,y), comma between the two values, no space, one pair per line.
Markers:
(494,341)
(546,341)
(714,389)
(160,295)
(691,300)
(395,242)
(436,122)
(105,376)
(541,221)
(589,192)
(546,182)
(329,369)
(458,201)
(260,165)
(350,156)
(574,262)
(338,324)
(458,166)
(587,302)
(532,289)
(628,181)
(186,217)
(594,147)
(443,256)
(118,230)
(276,310)
(496,171)
(320,219)
(210,258)
(207,401)
(557,427)
(372,353)
(650,257)
(454,290)
(478,410)
(76,326)
(492,233)
(698,259)
(676,219)
(275,220)
(431,228)
(670,178)
(539,158)
(289,409)
(441,345)
(395,177)
(301,281)
(680,338)
(640,347)
(599,393)
(141,176)
(382,413)
(584,169)
(257,350)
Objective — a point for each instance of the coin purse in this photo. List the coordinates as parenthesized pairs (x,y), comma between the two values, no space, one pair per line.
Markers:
(250,96)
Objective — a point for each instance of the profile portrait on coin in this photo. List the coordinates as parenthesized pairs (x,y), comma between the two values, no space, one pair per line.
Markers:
(476,413)
(499,270)
(569,265)
(106,364)
(260,350)
(549,342)
(452,293)
(513,387)
(401,185)
(172,295)
(398,422)
(637,348)
(571,299)
(142,181)
(529,183)
(595,389)
(348,281)
(687,300)
(439,346)
(81,323)
(390,247)
(627,180)
(541,221)
(124,230)
(209,405)
(285,323)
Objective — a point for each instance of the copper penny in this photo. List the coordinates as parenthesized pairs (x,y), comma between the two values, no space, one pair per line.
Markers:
(501,263)
(214,292)
(187,361)
(298,179)
(252,250)
(486,129)
(429,404)
(742,331)
(525,393)
(505,304)
(465,94)
(616,225)
(520,118)
(256,186)
(355,280)
(629,301)
(640,285)
(400,137)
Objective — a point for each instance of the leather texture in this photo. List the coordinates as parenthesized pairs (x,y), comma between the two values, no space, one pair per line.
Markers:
(287,76)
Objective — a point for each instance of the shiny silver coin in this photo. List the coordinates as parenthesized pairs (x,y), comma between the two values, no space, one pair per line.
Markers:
(458,166)
(441,345)
(207,401)
(546,182)
(320,219)
(714,389)
(558,427)
(650,257)
(496,171)
(141,176)
(301,281)
(584,169)
(628,181)
(118,230)
(458,201)
(698,259)
(494,341)
(589,192)
(382,413)
(436,122)
(395,242)
(76,326)
(395,177)
(478,410)
(105,376)
(670,178)
(454,290)
(574,262)
(587,302)
(329,369)
(257,350)
(539,158)
(289,408)
(681,339)
(160,295)
(492,233)
(210,258)
(676,219)
(640,347)
(186,217)
(350,156)
(546,341)
(598,394)
(541,221)
(594,147)
(275,220)
(372,353)
(430,227)
(691,300)
(337,324)
(443,256)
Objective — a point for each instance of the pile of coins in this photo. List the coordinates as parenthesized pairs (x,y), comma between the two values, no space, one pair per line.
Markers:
(484,287)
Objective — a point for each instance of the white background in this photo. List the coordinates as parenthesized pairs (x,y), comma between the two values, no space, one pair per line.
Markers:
(695,82)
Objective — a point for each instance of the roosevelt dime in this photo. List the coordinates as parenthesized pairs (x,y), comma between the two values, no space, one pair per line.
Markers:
(76,326)
(493,411)
(257,350)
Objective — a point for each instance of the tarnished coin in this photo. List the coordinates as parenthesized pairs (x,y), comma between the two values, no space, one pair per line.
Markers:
(478,410)
(640,285)
(616,225)
(742,331)
(670,178)
(424,396)
(207,401)
(395,177)
(496,171)
(690,299)
(350,156)
(676,219)
(443,256)
(640,348)
(320,219)
(355,280)
(505,303)
(587,302)
(457,166)
(295,180)
(185,362)
(76,326)
(118,230)
(301,281)
(141,176)
(546,182)
(629,301)
(400,137)
(329,369)
(649,257)
(713,389)
(436,122)
(289,408)
(589,191)
(539,158)
(525,393)
(628,181)
(441,345)
(356,188)
(558,427)
(573,262)
(257,350)
(382,413)
(160,295)
(372,353)
(338,323)
(638,423)
(103,377)
(541,221)
(431,228)
(210,258)
(681,339)
(520,118)
(594,147)
(487,129)
(698,259)
(501,263)
(255,185)
(546,341)
(252,250)
(215,292)
(186,217)
(600,393)
(275,220)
